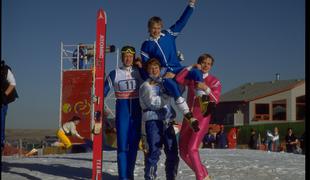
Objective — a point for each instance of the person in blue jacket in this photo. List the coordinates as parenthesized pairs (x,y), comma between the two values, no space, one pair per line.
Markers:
(126,81)
(162,46)
(161,43)
(78,56)
(209,139)
(221,138)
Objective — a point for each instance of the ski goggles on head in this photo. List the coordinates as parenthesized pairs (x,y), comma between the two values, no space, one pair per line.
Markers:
(128,49)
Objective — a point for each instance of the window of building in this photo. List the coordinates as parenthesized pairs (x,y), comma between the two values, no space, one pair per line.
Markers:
(262,112)
(300,108)
(279,110)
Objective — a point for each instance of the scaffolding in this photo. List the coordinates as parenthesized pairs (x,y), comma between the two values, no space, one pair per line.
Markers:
(77,65)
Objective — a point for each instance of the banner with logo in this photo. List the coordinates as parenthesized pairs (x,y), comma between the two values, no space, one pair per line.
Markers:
(76,100)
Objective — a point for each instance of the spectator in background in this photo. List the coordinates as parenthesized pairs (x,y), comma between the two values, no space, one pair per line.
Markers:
(78,60)
(209,140)
(232,138)
(291,141)
(302,142)
(276,140)
(298,150)
(69,129)
(268,141)
(8,95)
(253,142)
(221,138)
(273,140)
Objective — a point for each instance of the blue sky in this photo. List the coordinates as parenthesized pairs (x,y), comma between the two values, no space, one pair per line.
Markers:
(250,41)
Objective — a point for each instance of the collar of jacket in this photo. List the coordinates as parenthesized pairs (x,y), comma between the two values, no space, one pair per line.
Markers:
(129,69)
(205,75)
(156,39)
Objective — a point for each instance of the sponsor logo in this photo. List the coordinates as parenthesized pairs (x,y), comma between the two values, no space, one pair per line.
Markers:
(98,167)
(101,46)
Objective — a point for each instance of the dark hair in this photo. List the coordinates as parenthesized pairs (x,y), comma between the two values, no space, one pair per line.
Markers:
(153,20)
(152,61)
(2,62)
(203,57)
(74,118)
(81,45)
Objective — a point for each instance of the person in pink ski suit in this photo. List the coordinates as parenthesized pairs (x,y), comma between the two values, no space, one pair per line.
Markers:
(190,140)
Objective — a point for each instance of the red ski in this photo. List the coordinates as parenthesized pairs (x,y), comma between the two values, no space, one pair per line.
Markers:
(99,96)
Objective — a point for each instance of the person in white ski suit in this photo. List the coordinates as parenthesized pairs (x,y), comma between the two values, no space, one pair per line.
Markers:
(158,116)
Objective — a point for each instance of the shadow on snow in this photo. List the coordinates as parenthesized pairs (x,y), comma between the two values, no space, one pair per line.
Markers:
(54,170)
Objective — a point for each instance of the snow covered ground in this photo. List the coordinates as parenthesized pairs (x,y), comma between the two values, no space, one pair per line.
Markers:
(239,164)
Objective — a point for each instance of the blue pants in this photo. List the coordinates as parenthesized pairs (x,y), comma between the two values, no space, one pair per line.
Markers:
(172,87)
(128,128)
(4,109)
(158,135)
(81,63)
(269,144)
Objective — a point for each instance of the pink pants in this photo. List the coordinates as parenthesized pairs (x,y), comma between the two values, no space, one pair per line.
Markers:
(189,144)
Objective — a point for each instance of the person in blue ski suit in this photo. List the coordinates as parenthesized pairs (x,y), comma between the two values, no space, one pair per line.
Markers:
(162,45)
(126,81)
(158,116)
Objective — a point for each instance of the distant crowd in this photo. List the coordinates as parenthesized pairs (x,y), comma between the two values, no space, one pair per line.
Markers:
(271,142)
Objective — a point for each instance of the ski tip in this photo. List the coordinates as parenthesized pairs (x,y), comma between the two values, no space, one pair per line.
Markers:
(101,14)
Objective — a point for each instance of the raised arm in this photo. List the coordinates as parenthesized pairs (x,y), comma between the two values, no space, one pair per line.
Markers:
(181,22)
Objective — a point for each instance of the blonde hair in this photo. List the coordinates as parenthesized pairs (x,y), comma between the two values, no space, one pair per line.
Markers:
(154,20)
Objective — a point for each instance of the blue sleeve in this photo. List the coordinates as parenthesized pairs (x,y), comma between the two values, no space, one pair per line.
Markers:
(108,83)
(145,52)
(180,24)
(144,75)
(74,55)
